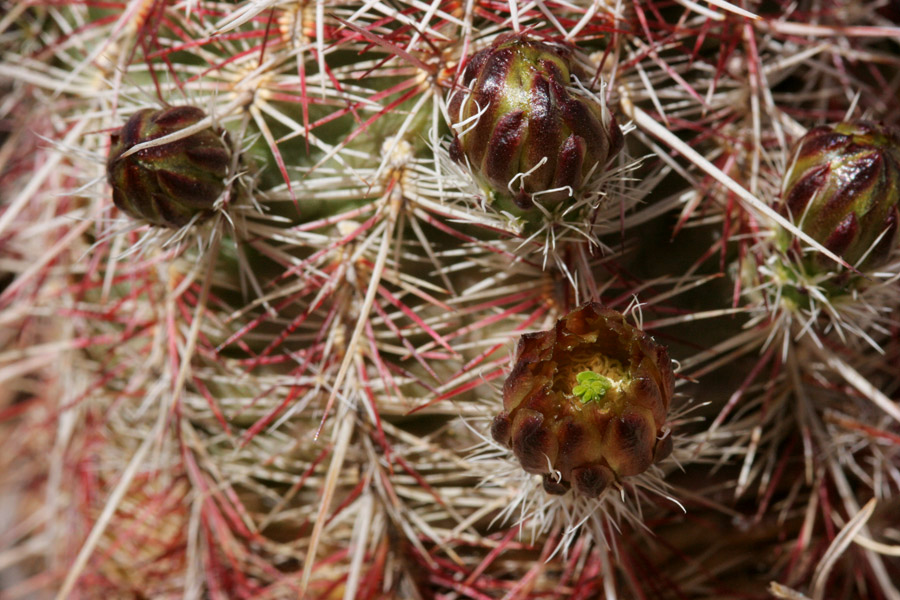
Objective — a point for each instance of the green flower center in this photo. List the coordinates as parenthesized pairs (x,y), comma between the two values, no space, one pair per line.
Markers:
(591,386)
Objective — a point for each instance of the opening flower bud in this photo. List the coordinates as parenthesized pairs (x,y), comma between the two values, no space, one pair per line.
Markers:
(843,189)
(525,128)
(169,184)
(586,402)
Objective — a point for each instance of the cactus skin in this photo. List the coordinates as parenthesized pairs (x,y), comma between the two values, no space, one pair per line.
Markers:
(843,189)
(167,185)
(590,444)
(529,114)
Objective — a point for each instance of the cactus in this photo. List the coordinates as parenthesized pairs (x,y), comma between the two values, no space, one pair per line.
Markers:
(265,265)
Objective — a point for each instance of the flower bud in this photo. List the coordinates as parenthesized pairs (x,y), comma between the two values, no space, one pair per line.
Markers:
(167,185)
(517,116)
(586,402)
(843,189)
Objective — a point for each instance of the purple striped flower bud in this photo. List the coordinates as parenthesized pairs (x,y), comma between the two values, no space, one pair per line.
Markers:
(524,127)
(586,402)
(167,185)
(843,189)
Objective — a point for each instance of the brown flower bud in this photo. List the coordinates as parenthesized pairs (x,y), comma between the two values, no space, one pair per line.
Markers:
(586,402)
(518,115)
(843,189)
(167,185)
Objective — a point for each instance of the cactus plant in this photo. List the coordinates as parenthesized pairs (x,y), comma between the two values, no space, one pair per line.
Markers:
(265,264)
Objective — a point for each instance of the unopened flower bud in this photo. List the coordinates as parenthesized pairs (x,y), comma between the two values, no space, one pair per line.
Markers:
(843,189)
(586,402)
(167,185)
(523,126)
